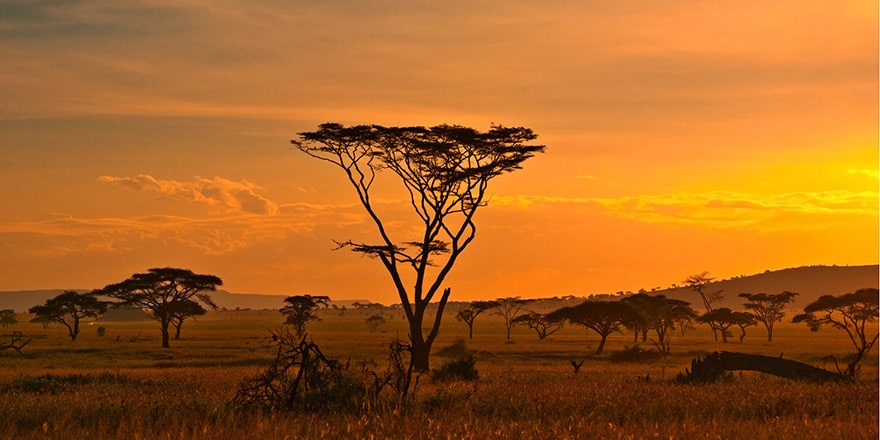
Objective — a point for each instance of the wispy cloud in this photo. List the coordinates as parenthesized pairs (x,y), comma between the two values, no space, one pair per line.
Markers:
(719,209)
(870,172)
(217,191)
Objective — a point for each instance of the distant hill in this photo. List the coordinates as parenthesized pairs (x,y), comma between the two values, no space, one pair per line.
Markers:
(810,282)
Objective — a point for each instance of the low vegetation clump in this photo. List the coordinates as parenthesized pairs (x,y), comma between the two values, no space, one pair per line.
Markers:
(459,369)
(635,353)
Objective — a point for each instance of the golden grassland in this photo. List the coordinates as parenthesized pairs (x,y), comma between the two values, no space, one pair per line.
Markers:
(124,385)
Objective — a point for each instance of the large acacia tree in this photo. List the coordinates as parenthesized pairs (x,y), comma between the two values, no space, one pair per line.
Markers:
(445,171)
(851,313)
(603,317)
(166,293)
(69,308)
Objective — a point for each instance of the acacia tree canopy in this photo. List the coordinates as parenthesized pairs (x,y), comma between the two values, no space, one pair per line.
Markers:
(445,171)
(68,308)
(162,291)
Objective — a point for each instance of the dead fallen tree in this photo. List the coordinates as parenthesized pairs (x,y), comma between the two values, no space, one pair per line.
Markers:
(715,365)
(17,341)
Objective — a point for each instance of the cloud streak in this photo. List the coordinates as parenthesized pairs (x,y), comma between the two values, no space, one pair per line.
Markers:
(218,192)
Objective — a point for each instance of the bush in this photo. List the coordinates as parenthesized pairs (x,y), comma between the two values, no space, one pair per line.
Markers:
(461,369)
(102,331)
(635,354)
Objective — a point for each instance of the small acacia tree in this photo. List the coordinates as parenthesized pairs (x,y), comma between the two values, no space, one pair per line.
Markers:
(509,309)
(469,315)
(540,323)
(767,309)
(7,316)
(661,314)
(700,283)
(603,317)
(163,292)
(722,319)
(68,308)
(850,313)
(445,171)
(300,309)
(182,310)
(373,322)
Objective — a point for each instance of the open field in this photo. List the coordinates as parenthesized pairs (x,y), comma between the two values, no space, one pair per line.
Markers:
(123,385)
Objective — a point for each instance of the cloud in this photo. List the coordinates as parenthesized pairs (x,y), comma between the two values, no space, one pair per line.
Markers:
(719,209)
(235,196)
(870,172)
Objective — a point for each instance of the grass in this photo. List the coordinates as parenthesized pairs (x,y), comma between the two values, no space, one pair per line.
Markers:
(115,387)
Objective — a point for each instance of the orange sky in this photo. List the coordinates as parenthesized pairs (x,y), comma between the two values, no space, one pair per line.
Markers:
(681,137)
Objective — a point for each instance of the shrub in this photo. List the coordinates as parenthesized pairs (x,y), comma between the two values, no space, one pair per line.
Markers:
(635,354)
(461,369)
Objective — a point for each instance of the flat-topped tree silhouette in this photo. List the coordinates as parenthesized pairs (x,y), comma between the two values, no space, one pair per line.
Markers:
(166,293)
(603,317)
(300,309)
(661,314)
(723,318)
(445,170)
(68,308)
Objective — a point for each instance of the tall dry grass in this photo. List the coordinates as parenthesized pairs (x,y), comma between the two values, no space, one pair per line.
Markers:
(101,388)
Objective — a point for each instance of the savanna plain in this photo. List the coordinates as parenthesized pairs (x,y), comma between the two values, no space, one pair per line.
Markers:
(124,385)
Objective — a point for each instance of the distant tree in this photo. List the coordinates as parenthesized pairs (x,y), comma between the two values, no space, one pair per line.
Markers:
(767,309)
(508,309)
(661,314)
(374,322)
(301,309)
(161,291)
(700,283)
(182,310)
(724,318)
(469,314)
(446,171)
(603,317)
(849,312)
(539,323)
(69,308)
(7,316)
(42,320)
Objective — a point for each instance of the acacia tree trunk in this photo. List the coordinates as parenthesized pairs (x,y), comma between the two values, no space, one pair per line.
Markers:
(601,344)
(165,334)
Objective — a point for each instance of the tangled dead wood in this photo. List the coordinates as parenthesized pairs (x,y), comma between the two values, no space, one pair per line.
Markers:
(17,341)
